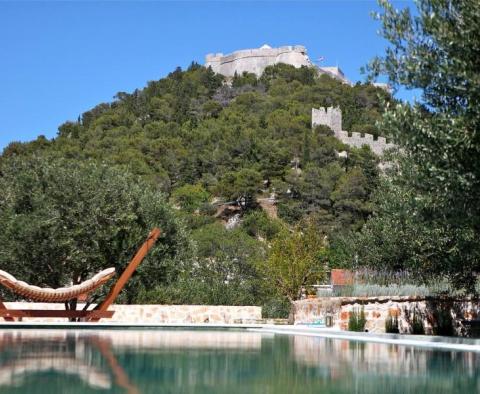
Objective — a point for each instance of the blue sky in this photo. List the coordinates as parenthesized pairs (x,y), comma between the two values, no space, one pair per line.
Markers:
(59,59)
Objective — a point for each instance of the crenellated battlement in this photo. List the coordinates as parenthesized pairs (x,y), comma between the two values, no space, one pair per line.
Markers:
(332,117)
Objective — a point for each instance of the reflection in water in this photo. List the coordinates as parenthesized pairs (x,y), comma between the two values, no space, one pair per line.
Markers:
(216,361)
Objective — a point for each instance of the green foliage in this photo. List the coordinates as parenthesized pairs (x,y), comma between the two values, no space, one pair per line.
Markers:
(276,308)
(241,185)
(197,139)
(428,218)
(224,272)
(357,320)
(416,324)
(190,197)
(258,224)
(295,260)
(244,79)
(191,129)
(63,221)
(304,75)
(391,324)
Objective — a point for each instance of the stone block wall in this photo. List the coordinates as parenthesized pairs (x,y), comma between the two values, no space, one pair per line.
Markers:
(377,309)
(332,117)
(157,314)
(257,59)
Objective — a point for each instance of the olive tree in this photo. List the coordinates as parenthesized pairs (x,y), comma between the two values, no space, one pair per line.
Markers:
(63,221)
(436,51)
(296,259)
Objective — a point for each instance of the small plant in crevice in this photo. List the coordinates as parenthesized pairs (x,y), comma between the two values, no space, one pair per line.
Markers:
(416,323)
(357,320)
(443,321)
(391,324)
(415,319)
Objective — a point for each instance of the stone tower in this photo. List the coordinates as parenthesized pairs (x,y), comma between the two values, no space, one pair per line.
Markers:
(331,117)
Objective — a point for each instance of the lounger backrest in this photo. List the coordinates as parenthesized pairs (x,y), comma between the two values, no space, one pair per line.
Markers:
(45,294)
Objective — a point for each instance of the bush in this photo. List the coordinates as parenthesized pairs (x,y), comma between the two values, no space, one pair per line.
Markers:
(357,320)
(190,197)
(257,223)
(276,308)
(417,326)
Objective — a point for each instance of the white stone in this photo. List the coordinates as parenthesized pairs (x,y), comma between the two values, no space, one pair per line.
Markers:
(256,60)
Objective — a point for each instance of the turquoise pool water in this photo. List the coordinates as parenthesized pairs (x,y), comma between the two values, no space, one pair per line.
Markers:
(222,361)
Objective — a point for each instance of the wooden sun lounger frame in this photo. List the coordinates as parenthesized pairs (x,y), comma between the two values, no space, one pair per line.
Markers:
(101,310)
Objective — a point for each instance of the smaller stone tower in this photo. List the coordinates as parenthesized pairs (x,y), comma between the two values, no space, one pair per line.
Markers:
(331,117)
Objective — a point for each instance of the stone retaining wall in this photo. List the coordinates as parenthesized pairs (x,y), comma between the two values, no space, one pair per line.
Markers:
(377,309)
(151,314)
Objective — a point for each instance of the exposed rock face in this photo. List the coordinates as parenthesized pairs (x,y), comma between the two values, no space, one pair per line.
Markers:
(233,222)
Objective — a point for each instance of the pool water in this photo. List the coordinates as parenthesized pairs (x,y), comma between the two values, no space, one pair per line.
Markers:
(223,361)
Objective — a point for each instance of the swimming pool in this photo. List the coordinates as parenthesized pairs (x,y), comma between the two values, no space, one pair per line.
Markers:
(223,361)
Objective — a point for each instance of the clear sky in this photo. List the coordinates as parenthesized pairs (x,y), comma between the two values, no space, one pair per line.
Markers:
(61,58)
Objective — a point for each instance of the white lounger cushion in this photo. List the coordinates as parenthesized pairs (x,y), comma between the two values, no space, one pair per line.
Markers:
(45,294)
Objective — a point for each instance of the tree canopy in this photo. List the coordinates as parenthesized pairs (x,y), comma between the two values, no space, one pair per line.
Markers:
(63,221)
(193,129)
(198,140)
(428,217)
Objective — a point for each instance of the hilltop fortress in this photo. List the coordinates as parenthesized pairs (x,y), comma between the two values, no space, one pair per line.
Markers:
(332,117)
(257,60)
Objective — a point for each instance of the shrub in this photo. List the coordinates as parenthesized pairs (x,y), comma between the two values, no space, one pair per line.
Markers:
(374,290)
(190,197)
(276,308)
(257,223)
(357,320)
(417,324)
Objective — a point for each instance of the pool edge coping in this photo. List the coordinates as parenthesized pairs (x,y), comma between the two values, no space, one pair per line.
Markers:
(422,341)
(430,342)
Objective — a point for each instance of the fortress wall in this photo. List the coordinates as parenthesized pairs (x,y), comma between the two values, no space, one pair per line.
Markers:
(342,135)
(256,60)
(332,117)
(356,140)
(368,137)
